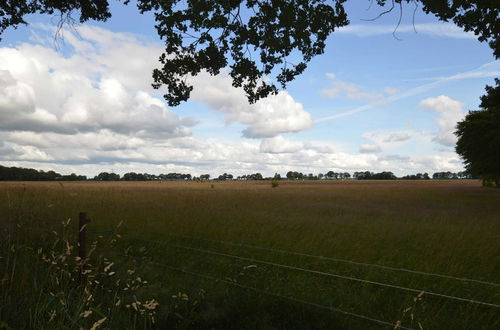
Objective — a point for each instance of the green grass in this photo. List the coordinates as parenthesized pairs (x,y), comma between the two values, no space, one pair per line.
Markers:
(445,227)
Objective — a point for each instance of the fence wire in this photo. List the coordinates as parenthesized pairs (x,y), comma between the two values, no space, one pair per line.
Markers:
(267,293)
(463,279)
(349,278)
(317,272)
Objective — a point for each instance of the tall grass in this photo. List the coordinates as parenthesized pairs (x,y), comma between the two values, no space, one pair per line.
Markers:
(45,286)
(441,227)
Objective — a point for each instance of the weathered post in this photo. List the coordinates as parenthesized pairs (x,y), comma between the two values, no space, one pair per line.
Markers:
(82,242)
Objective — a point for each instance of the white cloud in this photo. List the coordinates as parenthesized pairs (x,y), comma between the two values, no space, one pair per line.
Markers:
(15,97)
(32,153)
(43,91)
(279,144)
(398,137)
(268,117)
(450,112)
(388,139)
(93,104)
(92,109)
(369,148)
(351,91)
(117,152)
(444,162)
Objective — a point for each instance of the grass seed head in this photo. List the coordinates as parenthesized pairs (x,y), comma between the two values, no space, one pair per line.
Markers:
(85,313)
(98,323)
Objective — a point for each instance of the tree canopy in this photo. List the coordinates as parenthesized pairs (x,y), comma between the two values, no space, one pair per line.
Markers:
(479,137)
(253,39)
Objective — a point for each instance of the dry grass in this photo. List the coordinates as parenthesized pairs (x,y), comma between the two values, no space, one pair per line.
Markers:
(448,227)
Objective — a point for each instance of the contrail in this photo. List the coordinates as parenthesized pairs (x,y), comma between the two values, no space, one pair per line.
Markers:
(480,72)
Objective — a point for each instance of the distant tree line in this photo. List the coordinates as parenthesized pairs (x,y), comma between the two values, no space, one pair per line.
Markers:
(330,175)
(367,175)
(29,174)
(418,176)
(132,176)
(225,176)
(256,176)
(452,176)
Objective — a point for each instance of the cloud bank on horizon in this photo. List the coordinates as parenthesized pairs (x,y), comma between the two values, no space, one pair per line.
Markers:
(89,107)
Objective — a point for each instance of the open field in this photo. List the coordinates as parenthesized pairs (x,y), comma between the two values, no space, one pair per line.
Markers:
(440,227)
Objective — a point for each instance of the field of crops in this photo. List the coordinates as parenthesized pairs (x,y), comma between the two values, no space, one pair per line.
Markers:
(244,255)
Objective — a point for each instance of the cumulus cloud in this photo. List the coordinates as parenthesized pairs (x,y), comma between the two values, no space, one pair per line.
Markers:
(93,104)
(268,117)
(15,97)
(444,162)
(113,151)
(279,144)
(91,108)
(369,148)
(43,91)
(450,112)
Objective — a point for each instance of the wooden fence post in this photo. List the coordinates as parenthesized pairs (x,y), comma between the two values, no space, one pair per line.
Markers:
(82,242)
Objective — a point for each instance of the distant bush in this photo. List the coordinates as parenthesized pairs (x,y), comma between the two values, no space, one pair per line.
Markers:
(275,183)
(488,183)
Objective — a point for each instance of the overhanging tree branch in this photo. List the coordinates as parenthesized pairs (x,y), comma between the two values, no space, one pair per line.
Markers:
(273,29)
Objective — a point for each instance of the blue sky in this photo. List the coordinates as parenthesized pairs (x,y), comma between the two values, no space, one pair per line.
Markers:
(370,102)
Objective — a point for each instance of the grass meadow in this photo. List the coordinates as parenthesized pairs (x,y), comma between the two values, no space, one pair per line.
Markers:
(227,237)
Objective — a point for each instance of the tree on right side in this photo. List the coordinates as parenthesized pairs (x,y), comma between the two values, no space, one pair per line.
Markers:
(479,138)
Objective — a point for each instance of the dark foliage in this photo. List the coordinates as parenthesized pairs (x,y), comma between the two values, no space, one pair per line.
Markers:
(337,176)
(256,176)
(225,176)
(367,175)
(29,174)
(418,176)
(253,39)
(293,175)
(453,176)
(105,176)
(479,137)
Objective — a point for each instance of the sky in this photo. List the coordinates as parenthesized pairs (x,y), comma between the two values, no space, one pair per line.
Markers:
(373,101)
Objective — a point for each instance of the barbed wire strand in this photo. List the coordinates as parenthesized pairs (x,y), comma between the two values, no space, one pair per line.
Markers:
(317,272)
(350,278)
(464,279)
(296,300)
